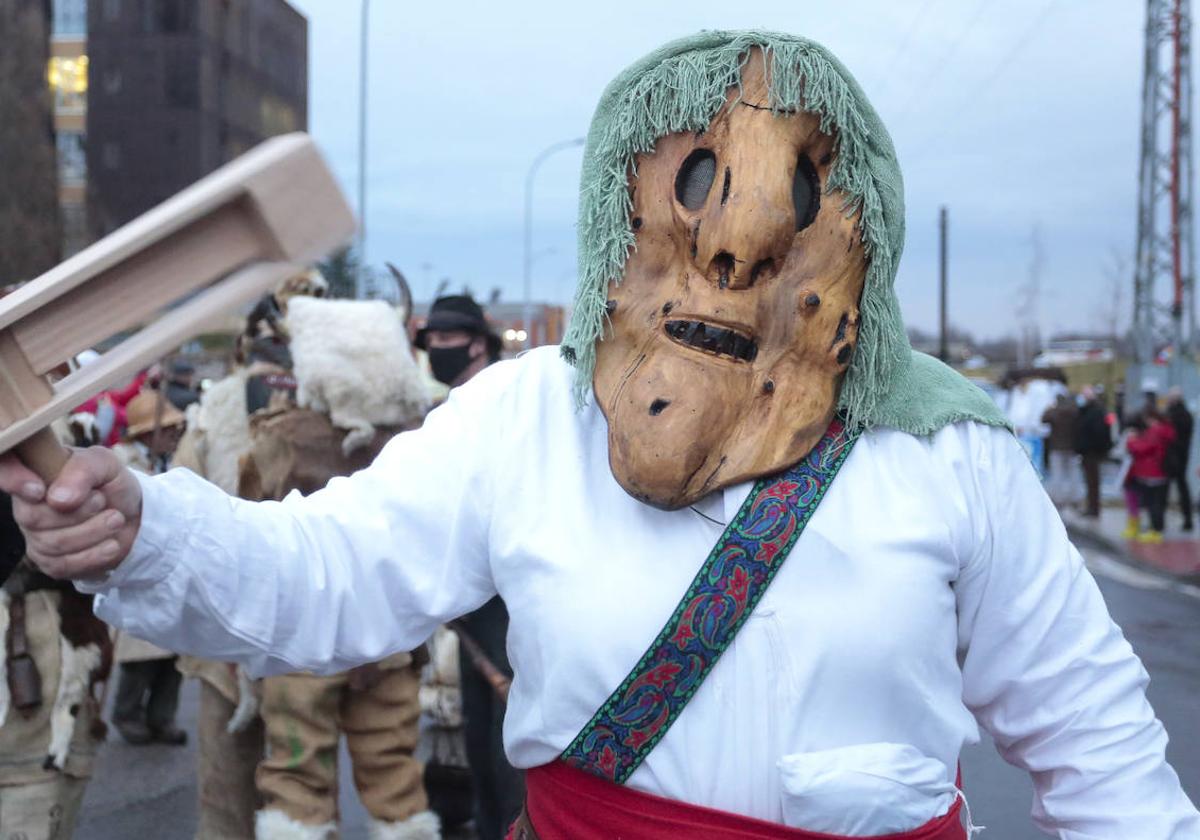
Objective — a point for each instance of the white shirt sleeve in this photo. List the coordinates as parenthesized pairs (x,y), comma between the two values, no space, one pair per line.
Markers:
(1048,673)
(363,568)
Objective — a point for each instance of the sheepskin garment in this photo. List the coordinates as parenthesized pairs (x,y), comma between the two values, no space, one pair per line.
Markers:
(934,589)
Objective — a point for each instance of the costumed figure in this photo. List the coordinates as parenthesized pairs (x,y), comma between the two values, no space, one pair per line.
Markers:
(53,670)
(357,385)
(459,344)
(148,682)
(267,318)
(229,729)
(447,775)
(767,569)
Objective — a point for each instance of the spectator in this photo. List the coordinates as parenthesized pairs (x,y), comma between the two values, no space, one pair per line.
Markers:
(1060,447)
(148,688)
(181,392)
(1129,490)
(109,407)
(1093,442)
(1149,449)
(1177,454)
(460,344)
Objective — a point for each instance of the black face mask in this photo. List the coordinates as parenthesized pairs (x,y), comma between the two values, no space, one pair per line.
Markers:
(447,363)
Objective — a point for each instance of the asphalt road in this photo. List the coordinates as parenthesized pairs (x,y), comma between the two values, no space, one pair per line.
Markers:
(140,793)
(1162,622)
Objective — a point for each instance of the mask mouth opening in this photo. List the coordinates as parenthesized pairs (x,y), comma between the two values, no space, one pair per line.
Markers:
(711,338)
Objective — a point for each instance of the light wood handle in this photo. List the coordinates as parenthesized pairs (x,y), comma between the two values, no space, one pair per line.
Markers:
(43,454)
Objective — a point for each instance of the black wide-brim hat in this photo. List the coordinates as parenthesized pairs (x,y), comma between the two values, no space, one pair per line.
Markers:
(458,313)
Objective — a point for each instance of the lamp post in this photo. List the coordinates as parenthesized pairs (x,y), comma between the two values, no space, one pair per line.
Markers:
(528,260)
(362,151)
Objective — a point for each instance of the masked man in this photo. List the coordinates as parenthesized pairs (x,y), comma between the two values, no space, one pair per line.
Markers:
(767,568)
(460,344)
(229,730)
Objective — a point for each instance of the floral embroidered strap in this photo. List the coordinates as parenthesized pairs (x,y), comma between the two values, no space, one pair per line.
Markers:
(720,599)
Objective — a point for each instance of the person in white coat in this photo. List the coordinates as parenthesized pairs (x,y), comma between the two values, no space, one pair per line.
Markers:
(768,570)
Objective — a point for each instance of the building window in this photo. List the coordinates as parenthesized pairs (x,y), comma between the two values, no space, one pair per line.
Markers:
(275,116)
(68,78)
(112,81)
(75,231)
(182,84)
(112,155)
(168,15)
(112,11)
(72,158)
(70,18)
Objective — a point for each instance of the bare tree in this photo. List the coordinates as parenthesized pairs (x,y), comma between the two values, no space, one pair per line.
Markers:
(1110,310)
(1028,300)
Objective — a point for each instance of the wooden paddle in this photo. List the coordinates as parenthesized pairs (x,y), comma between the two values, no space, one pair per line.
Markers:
(174,272)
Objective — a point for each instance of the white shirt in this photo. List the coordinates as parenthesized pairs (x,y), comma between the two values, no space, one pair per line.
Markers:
(934,587)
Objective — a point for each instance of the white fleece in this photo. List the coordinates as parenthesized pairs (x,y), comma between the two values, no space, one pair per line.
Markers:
(222,419)
(276,825)
(420,826)
(352,361)
(74,675)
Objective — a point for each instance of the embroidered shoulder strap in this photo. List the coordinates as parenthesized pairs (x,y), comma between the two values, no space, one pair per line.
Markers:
(720,599)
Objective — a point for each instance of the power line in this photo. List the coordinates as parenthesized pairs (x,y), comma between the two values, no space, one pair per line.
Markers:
(978,91)
(904,42)
(1025,38)
(920,89)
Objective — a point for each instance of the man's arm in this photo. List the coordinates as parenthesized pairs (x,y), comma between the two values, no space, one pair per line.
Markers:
(1050,676)
(365,567)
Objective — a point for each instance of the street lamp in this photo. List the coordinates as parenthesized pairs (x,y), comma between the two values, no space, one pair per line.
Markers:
(362,151)
(533,168)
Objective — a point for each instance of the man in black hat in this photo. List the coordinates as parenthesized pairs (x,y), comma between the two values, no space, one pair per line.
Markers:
(460,344)
(458,339)
(180,388)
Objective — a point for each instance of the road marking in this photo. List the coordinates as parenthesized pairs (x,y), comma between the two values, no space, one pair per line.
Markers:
(1107,566)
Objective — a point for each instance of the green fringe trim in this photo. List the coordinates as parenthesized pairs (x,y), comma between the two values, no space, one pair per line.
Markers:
(681,87)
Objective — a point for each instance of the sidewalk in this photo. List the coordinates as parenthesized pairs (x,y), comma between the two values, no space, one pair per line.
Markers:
(1178,555)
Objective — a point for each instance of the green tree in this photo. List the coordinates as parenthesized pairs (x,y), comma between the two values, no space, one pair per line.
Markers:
(341,271)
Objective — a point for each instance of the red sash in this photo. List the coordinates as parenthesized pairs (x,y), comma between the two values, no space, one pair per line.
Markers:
(563,803)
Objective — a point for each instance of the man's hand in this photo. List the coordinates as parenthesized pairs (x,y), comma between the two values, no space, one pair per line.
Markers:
(82,525)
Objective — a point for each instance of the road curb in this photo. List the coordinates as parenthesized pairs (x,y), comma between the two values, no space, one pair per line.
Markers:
(1084,536)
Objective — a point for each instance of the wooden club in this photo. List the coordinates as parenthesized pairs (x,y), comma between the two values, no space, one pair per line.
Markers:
(173,271)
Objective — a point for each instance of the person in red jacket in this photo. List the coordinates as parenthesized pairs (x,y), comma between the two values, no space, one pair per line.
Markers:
(1148,447)
(116,399)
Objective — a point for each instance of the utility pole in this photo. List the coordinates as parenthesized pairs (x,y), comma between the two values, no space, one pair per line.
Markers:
(943,340)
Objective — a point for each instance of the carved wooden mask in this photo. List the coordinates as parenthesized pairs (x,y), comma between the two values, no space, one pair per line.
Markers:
(737,314)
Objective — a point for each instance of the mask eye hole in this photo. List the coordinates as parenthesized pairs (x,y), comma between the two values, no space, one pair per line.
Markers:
(695,178)
(806,192)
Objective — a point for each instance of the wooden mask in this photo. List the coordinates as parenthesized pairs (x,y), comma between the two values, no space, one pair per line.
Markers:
(737,313)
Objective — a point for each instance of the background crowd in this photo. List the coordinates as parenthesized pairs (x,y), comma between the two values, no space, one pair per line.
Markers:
(1146,449)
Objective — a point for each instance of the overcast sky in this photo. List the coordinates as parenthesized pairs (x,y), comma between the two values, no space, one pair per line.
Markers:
(1015,115)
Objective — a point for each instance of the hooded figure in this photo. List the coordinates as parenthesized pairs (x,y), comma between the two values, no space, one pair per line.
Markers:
(767,569)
